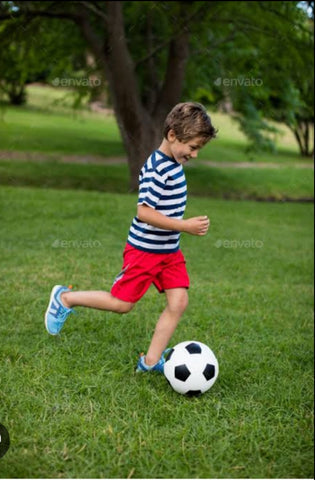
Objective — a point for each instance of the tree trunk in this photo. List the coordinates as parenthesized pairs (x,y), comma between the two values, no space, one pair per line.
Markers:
(140,122)
(135,124)
(139,147)
(140,130)
(16,93)
(301,133)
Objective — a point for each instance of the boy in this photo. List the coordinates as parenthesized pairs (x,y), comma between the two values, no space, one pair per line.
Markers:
(152,253)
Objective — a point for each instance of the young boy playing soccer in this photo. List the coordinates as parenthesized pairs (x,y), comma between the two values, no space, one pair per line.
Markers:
(152,253)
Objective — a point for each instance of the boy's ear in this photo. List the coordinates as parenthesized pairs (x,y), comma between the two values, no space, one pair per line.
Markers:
(171,137)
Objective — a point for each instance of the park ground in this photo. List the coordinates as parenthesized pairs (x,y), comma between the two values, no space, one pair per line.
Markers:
(72,404)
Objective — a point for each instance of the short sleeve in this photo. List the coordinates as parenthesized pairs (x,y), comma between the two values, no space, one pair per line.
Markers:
(152,184)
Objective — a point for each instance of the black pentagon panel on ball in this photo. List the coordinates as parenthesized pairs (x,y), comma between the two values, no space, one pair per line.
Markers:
(193,348)
(168,356)
(4,440)
(193,393)
(209,371)
(182,373)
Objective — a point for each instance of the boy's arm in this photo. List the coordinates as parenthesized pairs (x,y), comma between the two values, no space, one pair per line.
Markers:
(194,225)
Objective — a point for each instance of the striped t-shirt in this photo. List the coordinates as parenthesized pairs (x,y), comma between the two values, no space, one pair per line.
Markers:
(162,186)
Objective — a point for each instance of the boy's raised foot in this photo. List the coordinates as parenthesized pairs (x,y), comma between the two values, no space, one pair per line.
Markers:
(56,313)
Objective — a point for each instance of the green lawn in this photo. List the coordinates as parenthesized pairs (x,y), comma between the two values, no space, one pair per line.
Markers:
(54,130)
(49,128)
(235,183)
(48,124)
(73,405)
(28,129)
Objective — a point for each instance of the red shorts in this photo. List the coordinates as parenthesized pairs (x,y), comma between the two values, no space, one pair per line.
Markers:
(141,269)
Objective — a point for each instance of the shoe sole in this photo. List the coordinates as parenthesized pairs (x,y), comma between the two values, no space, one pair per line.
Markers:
(56,287)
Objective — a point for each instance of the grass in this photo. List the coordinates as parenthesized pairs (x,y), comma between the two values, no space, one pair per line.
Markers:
(74,407)
(49,127)
(30,129)
(49,124)
(246,183)
(46,130)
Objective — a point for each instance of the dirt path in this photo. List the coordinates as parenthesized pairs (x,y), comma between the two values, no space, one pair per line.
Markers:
(255,164)
(60,158)
(99,160)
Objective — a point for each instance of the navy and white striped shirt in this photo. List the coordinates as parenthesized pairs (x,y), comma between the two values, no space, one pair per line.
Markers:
(162,186)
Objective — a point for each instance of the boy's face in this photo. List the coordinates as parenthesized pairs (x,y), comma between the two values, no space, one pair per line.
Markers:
(183,152)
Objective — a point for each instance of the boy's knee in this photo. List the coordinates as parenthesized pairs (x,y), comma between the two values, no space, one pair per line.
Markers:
(124,307)
(180,302)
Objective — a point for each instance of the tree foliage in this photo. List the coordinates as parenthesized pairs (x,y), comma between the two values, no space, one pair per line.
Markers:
(264,71)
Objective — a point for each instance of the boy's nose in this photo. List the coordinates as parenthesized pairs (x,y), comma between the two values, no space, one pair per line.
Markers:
(194,154)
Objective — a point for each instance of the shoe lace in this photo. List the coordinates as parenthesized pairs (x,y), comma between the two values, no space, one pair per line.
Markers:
(63,312)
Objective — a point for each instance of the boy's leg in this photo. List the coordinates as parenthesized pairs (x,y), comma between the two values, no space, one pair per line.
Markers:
(177,301)
(95,299)
(62,299)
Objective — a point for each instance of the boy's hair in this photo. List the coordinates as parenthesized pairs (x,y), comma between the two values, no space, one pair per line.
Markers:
(189,120)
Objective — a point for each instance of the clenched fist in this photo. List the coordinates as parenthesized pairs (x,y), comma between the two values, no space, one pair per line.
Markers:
(197,225)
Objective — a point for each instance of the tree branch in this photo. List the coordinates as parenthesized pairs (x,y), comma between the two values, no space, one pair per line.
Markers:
(171,90)
(179,30)
(216,44)
(38,13)
(94,9)
(92,39)
(121,67)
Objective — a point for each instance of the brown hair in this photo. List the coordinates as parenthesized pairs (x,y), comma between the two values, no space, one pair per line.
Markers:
(189,120)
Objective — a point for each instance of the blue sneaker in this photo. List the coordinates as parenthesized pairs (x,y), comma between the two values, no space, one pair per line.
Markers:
(56,313)
(158,367)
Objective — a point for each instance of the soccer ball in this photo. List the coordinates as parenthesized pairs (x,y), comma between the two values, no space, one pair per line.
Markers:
(191,368)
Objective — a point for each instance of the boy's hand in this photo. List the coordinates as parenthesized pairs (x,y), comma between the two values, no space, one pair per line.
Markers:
(196,225)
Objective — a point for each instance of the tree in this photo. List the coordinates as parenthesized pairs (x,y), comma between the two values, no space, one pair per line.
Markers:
(143,50)
(18,61)
(292,99)
(286,75)
(38,51)
(269,78)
